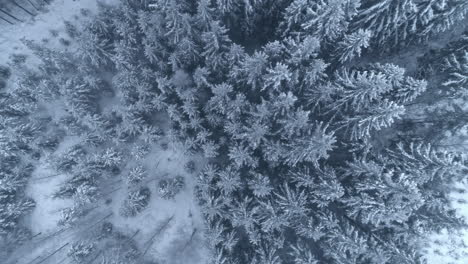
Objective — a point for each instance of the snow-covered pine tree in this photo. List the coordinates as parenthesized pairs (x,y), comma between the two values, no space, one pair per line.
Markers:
(457,68)
(216,45)
(352,45)
(322,184)
(440,16)
(11,211)
(136,175)
(79,251)
(390,21)
(373,119)
(292,202)
(251,70)
(302,254)
(169,188)
(313,145)
(241,155)
(94,45)
(229,180)
(260,185)
(325,19)
(135,202)
(395,23)
(277,76)
(360,89)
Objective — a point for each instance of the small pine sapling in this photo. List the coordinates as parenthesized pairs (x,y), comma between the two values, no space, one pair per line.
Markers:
(190,167)
(71,29)
(169,188)
(71,215)
(260,185)
(72,157)
(351,46)
(140,151)
(80,251)
(136,175)
(5,72)
(135,202)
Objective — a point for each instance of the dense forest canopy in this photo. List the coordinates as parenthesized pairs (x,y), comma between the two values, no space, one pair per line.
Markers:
(317,153)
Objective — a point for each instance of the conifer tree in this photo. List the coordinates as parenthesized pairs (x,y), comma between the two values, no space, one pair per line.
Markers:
(457,67)
(216,45)
(135,202)
(351,46)
(373,119)
(312,146)
(326,20)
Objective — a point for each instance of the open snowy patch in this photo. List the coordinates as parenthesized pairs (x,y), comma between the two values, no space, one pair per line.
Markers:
(41,27)
(169,230)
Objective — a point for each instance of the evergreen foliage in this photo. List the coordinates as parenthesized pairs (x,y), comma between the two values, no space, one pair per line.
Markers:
(135,202)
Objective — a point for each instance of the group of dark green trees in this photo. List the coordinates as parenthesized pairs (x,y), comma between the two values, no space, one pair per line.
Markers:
(315,154)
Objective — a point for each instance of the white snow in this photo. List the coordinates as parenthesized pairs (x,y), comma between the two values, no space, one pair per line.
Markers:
(45,215)
(39,27)
(172,245)
(447,247)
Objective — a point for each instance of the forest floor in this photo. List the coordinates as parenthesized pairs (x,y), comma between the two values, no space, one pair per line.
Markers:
(177,222)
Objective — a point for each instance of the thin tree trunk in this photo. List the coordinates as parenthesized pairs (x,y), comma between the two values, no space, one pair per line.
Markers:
(102,219)
(24,9)
(36,235)
(53,253)
(10,15)
(54,234)
(32,261)
(100,251)
(6,20)
(46,177)
(190,240)
(158,231)
(31,3)
(107,193)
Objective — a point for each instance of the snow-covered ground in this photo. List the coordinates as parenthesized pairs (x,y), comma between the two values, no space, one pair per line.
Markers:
(44,217)
(175,244)
(39,27)
(447,248)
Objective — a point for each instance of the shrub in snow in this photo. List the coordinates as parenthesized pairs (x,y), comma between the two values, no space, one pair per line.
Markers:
(71,29)
(69,216)
(5,72)
(109,159)
(79,251)
(11,211)
(136,175)
(4,75)
(168,188)
(72,157)
(190,166)
(107,228)
(135,202)
(64,42)
(140,151)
